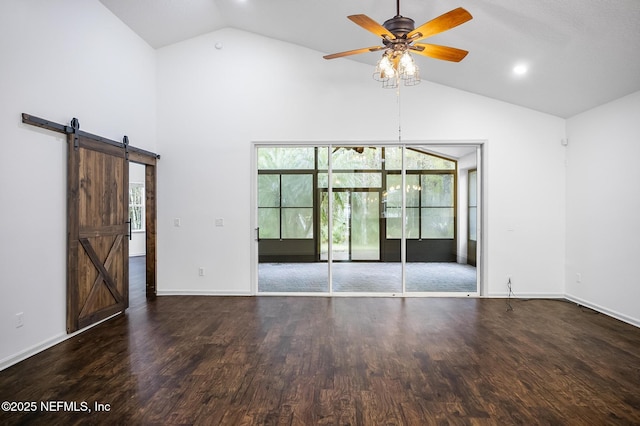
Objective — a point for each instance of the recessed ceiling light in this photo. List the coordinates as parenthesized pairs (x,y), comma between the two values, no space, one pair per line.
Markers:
(520,69)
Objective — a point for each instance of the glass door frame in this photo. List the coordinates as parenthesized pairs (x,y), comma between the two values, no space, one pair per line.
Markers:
(480,269)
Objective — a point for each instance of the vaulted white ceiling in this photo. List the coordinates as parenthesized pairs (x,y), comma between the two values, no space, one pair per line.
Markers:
(579,53)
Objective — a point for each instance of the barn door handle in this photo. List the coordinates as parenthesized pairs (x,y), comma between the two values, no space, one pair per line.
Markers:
(258,234)
(129,222)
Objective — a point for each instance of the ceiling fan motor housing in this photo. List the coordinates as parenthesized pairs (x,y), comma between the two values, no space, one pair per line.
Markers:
(399,26)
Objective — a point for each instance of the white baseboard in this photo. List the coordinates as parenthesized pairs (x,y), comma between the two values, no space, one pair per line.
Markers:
(35,349)
(603,310)
(526,295)
(201,293)
(20,356)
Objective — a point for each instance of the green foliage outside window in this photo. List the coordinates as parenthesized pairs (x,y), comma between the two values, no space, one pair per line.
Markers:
(415,160)
(285,205)
(429,205)
(286,193)
(270,158)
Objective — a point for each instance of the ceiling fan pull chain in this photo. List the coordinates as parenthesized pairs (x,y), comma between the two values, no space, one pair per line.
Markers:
(399,122)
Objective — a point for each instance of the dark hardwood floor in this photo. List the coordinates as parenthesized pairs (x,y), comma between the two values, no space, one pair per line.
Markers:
(341,361)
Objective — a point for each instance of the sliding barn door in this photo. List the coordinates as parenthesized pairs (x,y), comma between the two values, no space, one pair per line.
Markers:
(98,245)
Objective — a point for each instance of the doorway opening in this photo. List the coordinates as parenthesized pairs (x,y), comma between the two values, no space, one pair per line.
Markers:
(367,219)
(142,232)
(137,239)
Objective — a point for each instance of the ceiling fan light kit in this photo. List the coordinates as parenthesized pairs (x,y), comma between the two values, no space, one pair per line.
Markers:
(395,66)
(398,36)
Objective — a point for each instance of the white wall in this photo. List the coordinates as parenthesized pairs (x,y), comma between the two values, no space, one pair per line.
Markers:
(212,103)
(603,201)
(60,59)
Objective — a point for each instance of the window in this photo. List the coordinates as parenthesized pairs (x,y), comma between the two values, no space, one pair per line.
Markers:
(136,206)
(416,160)
(394,206)
(429,205)
(436,207)
(274,158)
(473,205)
(285,205)
(285,192)
(290,179)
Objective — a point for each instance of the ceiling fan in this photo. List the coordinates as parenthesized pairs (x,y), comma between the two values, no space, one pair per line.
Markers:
(399,36)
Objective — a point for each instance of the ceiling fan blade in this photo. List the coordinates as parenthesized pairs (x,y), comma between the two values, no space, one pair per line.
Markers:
(370,25)
(354,52)
(444,22)
(445,53)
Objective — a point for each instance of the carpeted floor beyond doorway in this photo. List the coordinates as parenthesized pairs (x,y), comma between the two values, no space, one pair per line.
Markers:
(366,277)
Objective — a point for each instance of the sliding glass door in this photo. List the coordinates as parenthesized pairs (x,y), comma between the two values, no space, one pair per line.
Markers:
(357,188)
(365,219)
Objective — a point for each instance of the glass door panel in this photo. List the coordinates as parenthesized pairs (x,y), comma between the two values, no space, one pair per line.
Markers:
(365,226)
(357,260)
(435,254)
(341,226)
(287,233)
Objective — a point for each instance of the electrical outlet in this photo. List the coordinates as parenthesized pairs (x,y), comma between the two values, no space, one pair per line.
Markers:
(201,271)
(219,221)
(19,319)
(177,222)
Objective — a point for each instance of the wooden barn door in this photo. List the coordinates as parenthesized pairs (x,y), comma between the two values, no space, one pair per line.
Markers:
(98,228)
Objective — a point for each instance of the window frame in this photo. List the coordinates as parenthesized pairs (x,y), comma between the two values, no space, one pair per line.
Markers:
(288,172)
(419,208)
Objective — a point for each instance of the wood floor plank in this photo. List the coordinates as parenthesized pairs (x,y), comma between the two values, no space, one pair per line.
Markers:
(321,361)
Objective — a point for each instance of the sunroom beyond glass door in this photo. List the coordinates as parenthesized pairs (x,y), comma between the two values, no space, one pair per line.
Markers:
(367,219)
(435,256)
(359,264)
(287,231)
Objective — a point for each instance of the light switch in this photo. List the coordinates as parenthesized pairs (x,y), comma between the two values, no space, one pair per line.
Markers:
(219,222)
